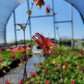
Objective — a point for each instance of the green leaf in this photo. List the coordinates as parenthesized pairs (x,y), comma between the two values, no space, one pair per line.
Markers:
(32,79)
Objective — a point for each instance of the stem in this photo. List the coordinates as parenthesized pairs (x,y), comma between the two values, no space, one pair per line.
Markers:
(25,74)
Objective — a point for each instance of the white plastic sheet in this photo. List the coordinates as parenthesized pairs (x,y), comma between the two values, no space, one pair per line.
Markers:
(6,8)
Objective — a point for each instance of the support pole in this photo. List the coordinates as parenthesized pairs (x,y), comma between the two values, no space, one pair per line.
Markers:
(29,23)
(15,27)
(72,32)
(5,36)
(54,21)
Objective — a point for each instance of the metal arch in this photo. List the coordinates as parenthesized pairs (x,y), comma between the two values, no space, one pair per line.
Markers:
(7,22)
(77,9)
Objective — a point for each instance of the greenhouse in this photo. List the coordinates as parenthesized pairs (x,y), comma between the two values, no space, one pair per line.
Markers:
(41,42)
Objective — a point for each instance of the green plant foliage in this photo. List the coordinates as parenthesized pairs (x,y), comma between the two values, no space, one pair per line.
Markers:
(62,68)
(6,56)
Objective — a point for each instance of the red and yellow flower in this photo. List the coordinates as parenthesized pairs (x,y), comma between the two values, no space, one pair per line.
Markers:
(39,3)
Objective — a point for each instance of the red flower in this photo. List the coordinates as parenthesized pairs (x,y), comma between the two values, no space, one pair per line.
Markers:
(47,82)
(41,44)
(26,47)
(80,69)
(66,64)
(80,53)
(0,49)
(73,81)
(22,49)
(13,47)
(47,10)
(27,57)
(39,3)
(41,64)
(60,65)
(45,69)
(0,59)
(32,74)
(21,81)
(44,43)
(9,49)
(13,55)
(6,82)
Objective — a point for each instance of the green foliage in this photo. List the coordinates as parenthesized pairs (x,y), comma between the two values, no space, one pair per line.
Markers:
(61,74)
(82,44)
(6,56)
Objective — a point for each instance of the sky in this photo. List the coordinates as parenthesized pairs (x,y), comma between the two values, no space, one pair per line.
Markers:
(44,25)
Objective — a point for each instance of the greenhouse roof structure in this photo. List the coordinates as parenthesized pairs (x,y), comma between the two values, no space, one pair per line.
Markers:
(79,5)
(6,9)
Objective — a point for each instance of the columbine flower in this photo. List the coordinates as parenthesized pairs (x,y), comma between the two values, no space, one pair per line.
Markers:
(26,47)
(80,69)
(27,57)
(21,81)
(22,49)
(43,42)
(39,3)
(9,49)
(32,74)
(73,81)
(41,64)
(66,64)
(47,82)
(0,59)
(59,65)
(45,69)
(6,82)
(80,53)
(47,10)
(0,49)
(12,55)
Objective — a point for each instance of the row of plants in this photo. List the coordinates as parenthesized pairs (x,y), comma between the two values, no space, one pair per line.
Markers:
(65,67)
(62,65)
(11,58)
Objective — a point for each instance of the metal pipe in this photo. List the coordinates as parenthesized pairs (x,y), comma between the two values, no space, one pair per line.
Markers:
(15,27)
(5,35)
(67,21)
(41,16)
(23,24)
(54,20)
(72,32)
(29,23)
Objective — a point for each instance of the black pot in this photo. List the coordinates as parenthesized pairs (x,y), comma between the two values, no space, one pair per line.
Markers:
(3,71)
(13,65)
(38,47)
